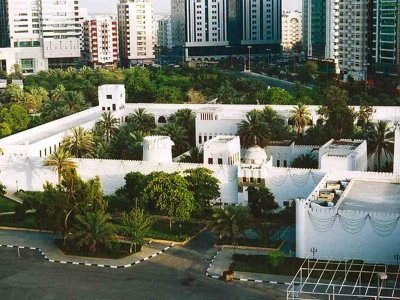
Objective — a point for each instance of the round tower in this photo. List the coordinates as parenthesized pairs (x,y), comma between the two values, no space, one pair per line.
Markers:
(157,149)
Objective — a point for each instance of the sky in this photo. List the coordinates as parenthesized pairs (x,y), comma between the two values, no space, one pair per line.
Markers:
(160,6)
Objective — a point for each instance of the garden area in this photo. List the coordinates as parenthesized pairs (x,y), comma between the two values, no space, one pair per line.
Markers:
(7,205)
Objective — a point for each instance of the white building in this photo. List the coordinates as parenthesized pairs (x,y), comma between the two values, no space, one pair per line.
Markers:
(101,41)
(135,26)
(42,34)
(164,33)
(291,29)
(344,155)
(213,29)
(222,150)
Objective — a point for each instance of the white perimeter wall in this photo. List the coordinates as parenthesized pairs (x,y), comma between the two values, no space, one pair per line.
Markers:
(31,175)
(346,236)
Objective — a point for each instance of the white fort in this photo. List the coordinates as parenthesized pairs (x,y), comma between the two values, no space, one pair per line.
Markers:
(342,210)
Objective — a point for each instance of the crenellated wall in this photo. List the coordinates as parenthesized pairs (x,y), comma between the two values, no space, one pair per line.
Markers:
(30,174)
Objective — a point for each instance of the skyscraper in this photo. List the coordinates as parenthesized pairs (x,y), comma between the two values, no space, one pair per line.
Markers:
(135,27)
(212,29)
(4,27)
(291,28)
(42,34)
(385,38)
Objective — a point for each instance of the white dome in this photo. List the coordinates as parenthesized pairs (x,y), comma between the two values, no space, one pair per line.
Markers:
(255,155)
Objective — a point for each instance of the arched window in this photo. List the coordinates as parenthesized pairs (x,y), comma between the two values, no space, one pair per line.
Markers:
(162,120)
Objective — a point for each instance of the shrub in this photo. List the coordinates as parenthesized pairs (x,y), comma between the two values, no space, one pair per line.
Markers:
(276,259)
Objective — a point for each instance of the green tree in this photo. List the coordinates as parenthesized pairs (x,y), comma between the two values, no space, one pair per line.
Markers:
(74,101)
(380,141)
(3,189)
(339,117)
(185,118)
(278,96)
(135,184)
(195,156)
(204,186)
(93,229)
(79,143)
(261,201)
(253,130)
(139,86)
(16,72)
(108,125)
(135,226)
(306,161)
(143,120)
(168,94)
(58,93)
(171,194)
(309,71)
(231,221)
(178,135)
(364,115)
(14,94)
(60,161)
(277,128)
(301,117)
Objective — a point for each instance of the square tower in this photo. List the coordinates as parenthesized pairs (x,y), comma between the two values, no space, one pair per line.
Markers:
(112,97)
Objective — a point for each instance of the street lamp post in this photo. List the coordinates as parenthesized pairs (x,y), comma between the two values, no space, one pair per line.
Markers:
(313,250)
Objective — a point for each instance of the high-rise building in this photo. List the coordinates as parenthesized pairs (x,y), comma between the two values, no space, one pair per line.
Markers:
(42,34)
(4,27)
(101,42)
(385,38)
(83,16)
(212,29)
(291,29)
(135,27)
(164,33)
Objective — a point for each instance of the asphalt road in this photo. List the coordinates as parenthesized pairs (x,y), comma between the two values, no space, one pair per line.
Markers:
(177,274)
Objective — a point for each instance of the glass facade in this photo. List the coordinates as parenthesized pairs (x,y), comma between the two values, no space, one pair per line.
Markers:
(4,27)
(385,36)
(314,27)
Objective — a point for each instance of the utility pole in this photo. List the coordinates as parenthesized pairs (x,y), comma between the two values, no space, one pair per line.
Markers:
(313,250)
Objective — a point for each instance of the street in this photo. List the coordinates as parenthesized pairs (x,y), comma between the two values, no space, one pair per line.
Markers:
(177,274)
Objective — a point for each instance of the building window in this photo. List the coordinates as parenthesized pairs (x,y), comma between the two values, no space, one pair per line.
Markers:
(278,163)
(200,139)
(285,163)
(251,179)
(258,180)
(114,107)
(210,161)
(220,161)
(244,179)
(109,97)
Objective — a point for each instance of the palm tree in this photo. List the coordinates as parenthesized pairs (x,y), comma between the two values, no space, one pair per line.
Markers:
(187,119)
(75,101)
(195,156)
(60,161)
(306,161)
(301,117)
(380,141)
(178,135)
(253,131)
(143,120)
(231,221)
(79,143)
(109,125)
(58,93)
(93,229)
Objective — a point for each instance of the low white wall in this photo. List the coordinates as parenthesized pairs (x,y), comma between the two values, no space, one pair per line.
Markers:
(30,174)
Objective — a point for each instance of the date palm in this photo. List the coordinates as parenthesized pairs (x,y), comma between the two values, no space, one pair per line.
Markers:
(186,119)
(178,135)
(60,161)
(253,130)
(231,221)
(92,230)
(380,141)
(79,143)
(75,101)
(108,125)
(143,120)
(301,117)
(58,93)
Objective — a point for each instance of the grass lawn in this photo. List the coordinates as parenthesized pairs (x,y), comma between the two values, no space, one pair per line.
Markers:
(117,250)
(260,264)
(251,243)
(11,221)
(7,205)
(160,230)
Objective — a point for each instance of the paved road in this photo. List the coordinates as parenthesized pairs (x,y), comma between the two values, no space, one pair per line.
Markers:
(163,277)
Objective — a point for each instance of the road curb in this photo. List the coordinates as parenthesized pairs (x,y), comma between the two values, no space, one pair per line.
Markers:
(89,264)
(220,277)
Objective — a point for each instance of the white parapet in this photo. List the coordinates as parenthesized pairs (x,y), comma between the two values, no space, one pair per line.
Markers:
(157,149)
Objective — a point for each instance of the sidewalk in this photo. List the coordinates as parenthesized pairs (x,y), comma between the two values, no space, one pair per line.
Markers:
(223,259)
(44,242)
